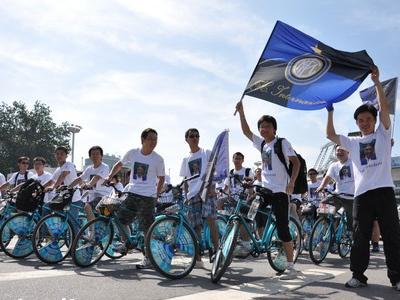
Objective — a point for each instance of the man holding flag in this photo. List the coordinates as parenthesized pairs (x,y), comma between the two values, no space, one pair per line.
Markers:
(275,178)
(197,163)
(374,194)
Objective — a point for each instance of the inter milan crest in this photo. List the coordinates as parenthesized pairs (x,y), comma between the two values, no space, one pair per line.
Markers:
(306,69)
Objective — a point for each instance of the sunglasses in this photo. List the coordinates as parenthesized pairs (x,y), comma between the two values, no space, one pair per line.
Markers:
(24,163)
(310,174)
(192,136)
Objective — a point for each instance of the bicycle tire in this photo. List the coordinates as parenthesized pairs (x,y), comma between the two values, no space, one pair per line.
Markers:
(344,246)
(51,253)
(315,239)
(163,243)
(224,255)
(88,242)
(22,225)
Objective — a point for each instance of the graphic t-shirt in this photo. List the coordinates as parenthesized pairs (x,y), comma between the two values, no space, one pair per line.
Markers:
(232,184)
(274,174)
(67,167)
(43,179)
(343,175)
(313,196)
(195,163)
(371,157)
(99,189)
(17,178)
(144,172)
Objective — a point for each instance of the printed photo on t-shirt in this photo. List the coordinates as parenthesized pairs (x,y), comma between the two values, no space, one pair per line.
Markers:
(313,193)
(267,159)
(140,171)
(195,166)
(367,152)
(344,172)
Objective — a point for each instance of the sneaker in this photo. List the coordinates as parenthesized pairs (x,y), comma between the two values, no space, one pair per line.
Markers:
(144,264)
(120,248)
(289,274)
(199,264)
(397,286)
(242,249)
(334,249)
(355,283)
(375,247)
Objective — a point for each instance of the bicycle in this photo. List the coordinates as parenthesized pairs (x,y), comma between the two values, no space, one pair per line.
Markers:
(95,237)
(54,233)
(324,236)
(172,242)
(307,222)
(269,242)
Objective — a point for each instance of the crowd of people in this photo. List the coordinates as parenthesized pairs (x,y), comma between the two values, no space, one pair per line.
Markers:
(361,176)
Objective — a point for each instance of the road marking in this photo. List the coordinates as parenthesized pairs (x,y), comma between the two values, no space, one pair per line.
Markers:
(264,287)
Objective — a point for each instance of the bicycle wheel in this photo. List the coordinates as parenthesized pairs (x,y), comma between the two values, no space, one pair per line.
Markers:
(221,225)
(16,235)
(52,238)
(276,253)
(224,255)
(320,240)
(307,225)
(111,253)
(91,242)
(172,247)
(345,242)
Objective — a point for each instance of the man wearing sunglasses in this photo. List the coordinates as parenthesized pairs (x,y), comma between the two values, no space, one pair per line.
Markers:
(196,163)
(18,178)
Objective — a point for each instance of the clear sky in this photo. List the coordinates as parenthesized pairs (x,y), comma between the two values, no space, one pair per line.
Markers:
(117,67)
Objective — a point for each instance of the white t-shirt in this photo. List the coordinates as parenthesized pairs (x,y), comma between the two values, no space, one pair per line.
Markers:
(274,174)
(69,167)
(18,178)
(43,179)
(195,163)
(232,184)
(144,172)
(99,190)
(343,175)
(2,181)
(371,156)
(313,196)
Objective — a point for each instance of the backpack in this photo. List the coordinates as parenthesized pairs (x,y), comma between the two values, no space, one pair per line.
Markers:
(30,195)
(300,186)
(246,172)
(16,178)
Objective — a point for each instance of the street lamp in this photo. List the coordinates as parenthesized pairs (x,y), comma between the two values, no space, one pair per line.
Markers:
(73,129)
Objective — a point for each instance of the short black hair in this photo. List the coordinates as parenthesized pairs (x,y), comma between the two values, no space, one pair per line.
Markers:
(366,108)
(190,130)
(268,119)
(96,148)
(62,148)
(312,170)
(39,158)
(238,154)
(146,132)
(22,158)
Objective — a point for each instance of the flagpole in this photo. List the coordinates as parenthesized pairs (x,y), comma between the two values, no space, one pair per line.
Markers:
(252,74)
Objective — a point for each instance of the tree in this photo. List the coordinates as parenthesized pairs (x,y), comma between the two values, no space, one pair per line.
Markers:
(31,133)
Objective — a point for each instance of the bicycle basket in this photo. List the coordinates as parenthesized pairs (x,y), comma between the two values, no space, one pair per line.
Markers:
(326,209)
(173,209)
(108,205)
(61,200)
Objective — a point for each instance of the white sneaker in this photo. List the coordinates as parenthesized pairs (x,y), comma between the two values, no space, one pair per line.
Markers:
(199,264)
(120,248)
(289,274)
(355,283)
(145,264)
(242,249)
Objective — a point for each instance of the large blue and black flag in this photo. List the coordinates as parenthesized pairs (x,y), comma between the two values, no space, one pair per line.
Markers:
(390,88)
(299,72)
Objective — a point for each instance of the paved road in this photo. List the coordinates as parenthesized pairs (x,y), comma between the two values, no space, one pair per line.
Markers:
(246,279)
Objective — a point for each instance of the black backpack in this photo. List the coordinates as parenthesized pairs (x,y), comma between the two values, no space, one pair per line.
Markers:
(246,172)
(29,196)
(300,186)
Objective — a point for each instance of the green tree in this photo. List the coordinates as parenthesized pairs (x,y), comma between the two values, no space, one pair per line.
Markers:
(31,133)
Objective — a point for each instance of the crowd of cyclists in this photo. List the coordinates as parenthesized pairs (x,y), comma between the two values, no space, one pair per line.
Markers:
(356,191)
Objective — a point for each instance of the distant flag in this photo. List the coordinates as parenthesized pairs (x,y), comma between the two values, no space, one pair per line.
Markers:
(218,164)
(299,72)
(390,88)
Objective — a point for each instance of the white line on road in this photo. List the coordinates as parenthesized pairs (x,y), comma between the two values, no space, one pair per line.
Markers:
(265,287)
